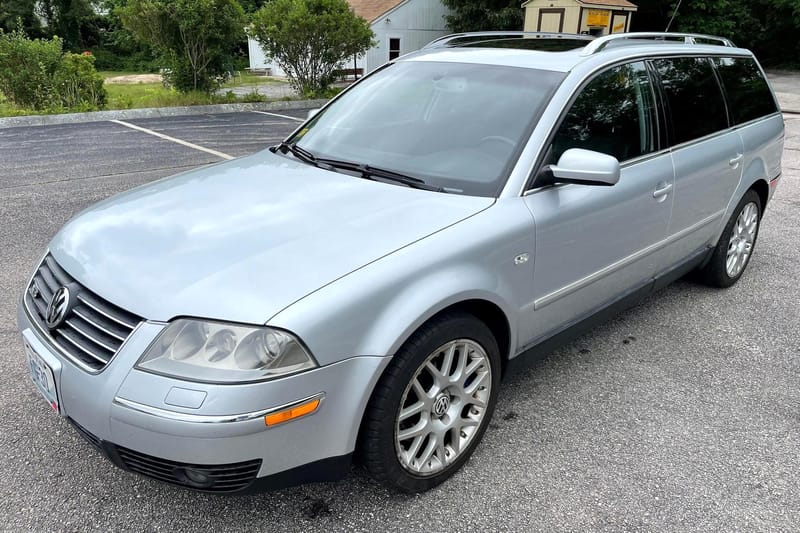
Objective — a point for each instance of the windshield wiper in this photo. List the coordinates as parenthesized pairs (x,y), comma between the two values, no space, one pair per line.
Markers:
(370,172)
(366,171)
(300,153)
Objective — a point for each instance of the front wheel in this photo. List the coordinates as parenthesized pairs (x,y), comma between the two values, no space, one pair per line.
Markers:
(433,404)
(736,245)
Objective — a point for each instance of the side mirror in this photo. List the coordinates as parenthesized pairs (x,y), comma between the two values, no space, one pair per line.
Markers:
(585,167)
(311,113)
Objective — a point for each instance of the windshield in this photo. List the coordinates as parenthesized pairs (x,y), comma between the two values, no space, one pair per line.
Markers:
(457,126)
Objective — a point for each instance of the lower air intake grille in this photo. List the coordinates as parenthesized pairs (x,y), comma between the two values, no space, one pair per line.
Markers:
(94,441)
(221,478)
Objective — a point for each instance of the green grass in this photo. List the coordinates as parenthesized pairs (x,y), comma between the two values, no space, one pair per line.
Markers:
(8,110)
(141,95)
(138,95)
(134,96)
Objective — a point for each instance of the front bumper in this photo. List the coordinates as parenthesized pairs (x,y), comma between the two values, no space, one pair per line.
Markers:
(159,426)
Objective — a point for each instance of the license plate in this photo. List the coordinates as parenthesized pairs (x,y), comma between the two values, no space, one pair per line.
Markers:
(42,376)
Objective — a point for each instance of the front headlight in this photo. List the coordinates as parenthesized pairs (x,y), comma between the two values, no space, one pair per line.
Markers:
(219,352)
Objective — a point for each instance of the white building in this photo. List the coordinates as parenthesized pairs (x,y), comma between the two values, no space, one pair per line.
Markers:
(400,27)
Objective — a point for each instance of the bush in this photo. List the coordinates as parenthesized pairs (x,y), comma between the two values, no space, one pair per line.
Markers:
(78,84)
(183,76)
(128,61)
(27,67)
(309,39)
(35,73)
(196,39)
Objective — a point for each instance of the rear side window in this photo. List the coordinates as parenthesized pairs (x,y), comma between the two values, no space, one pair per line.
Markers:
(694,97)
(613,114)
(747,90)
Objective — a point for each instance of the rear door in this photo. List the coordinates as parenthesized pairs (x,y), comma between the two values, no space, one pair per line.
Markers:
(755,114)
(707,153)
(593,243)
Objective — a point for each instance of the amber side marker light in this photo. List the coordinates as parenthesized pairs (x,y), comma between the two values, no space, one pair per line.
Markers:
(293,413)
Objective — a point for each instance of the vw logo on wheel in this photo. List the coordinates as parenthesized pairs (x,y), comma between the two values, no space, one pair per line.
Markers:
(58,308)
(441,405)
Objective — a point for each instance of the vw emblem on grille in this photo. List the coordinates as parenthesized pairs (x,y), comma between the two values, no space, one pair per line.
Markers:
(58,308)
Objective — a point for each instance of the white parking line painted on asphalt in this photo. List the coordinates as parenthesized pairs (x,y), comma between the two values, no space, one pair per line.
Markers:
(173,139)
(278,115)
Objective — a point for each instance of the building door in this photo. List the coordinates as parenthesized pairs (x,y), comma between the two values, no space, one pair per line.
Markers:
(619,22)
(551,20)
(394,48)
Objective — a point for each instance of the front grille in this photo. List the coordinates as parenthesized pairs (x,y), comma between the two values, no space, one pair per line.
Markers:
(226,478)
(93,329)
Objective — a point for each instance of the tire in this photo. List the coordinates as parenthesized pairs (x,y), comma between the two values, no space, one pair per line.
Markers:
(738,241)
(409,401)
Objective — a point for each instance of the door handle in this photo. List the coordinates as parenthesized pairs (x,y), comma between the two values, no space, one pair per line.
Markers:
(662,190)
(736,160)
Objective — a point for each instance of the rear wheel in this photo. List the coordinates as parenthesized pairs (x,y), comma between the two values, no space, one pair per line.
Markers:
(736,245)
(433,404)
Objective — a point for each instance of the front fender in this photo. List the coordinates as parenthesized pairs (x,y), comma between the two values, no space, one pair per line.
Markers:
(424,298)
(374,310)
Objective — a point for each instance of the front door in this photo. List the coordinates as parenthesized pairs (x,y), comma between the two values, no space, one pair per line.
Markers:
(593,243)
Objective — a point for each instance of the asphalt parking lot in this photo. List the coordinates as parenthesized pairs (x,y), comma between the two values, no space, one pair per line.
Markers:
(683,414)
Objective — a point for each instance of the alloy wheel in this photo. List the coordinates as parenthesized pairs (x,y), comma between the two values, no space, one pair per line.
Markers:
(442,407)
(743,237)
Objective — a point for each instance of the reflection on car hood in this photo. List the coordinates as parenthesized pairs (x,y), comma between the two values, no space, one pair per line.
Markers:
(242,240)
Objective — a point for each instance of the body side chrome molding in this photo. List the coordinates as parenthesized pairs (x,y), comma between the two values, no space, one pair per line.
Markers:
(212,419)
(625,261)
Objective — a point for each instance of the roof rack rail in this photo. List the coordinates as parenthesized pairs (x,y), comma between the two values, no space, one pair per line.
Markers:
(467,37)
(689,38)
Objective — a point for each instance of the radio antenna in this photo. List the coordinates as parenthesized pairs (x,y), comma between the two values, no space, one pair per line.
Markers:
(677,7)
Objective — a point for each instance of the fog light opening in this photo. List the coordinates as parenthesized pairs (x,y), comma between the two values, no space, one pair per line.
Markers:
(194,478)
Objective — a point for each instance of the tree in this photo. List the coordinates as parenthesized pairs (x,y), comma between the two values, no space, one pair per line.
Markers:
(119,48)
(16,12)
(251,6)
(484,15)
(768,27)
(195,37)
(74,21)
(309,39)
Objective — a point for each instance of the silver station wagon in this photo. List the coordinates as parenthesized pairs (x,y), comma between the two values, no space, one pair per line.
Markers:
(359,290)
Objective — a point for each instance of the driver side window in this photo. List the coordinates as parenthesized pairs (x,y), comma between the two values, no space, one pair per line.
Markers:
(614,114)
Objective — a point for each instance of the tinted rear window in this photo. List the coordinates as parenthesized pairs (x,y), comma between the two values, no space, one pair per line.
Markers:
(747,90)
(694,97)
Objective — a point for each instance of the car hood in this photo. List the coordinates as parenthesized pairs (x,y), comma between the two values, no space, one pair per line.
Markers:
(242,240)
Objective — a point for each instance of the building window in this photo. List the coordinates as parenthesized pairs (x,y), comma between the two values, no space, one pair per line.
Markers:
(394,48)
